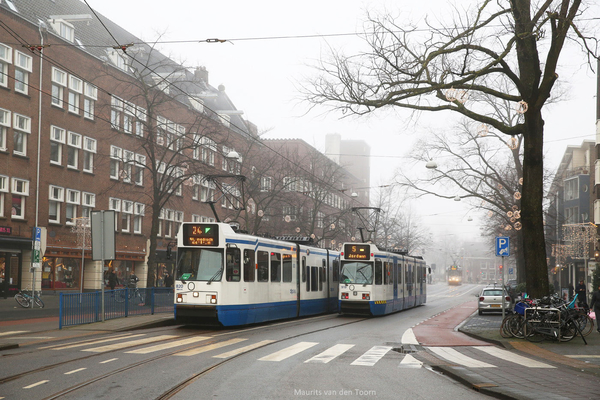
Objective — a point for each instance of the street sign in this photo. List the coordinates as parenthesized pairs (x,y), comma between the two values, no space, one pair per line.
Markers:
(510,271)
(103,235)
(502,246)
(37,246)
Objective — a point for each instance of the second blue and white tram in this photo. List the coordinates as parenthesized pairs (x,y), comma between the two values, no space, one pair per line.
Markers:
(237,279)
(378,282)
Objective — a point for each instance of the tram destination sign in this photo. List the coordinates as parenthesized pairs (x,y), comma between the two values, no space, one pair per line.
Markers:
(200,235)
(357,252)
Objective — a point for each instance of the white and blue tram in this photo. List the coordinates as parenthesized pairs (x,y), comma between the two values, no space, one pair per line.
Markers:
(238,279)
(378,282)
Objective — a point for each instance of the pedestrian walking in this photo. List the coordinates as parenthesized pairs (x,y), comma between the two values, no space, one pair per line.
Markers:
(113,281)
(595,305)
(168,280)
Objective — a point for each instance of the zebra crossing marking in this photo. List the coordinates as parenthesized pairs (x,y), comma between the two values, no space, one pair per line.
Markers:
(118,346)
(210,347)
(512,357)
(330,353)
(170,345)
(372,356)
(81,344)
(288,351)
(243,349)
(455,357)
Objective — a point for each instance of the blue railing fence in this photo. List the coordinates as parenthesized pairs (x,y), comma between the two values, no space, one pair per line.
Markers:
(85,308)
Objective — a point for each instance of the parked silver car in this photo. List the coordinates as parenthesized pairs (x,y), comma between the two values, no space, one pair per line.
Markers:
(490,299)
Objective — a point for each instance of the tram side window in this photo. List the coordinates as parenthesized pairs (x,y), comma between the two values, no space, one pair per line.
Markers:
(400,272)
(308,278)
(287,267)
(388,273)
(249,266)
(232,265)
(336,270)
(304,269)
(378,272)
(323,277)
(275,267)
(314,279)
(262,263)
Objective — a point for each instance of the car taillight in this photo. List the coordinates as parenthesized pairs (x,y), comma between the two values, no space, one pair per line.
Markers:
(507,298)
(481,298)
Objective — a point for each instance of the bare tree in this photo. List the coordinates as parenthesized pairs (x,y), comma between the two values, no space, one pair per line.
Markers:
(496,45)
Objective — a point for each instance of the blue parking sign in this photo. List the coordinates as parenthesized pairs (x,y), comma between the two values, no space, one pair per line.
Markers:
(502,246)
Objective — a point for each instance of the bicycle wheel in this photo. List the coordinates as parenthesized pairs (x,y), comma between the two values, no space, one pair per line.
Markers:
(505,331)
(121,295)
(585,324)
(568,331)
(22,300)
(533,332)
(39,302)
(515,326)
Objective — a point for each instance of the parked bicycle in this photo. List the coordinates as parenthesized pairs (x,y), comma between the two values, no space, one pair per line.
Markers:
(24,298)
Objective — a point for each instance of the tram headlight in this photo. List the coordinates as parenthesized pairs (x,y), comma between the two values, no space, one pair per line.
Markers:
(211,298)
(196,294)
(179,298)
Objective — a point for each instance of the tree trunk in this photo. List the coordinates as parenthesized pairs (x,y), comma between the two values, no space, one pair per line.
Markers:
(531,207)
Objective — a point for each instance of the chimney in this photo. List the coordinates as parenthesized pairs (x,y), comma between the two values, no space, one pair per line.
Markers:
(201,74)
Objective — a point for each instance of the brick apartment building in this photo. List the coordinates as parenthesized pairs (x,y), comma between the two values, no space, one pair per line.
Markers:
(92,118)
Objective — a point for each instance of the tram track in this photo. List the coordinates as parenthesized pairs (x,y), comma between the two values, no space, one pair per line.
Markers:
(172,391)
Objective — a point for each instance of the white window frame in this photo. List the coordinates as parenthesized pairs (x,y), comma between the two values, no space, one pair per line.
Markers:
(58,139)
(5,61)
(23,64)
(56,196)
(89,149)
(126,212)
(140,166)
(73,199)
(138,212)
(115,159)
(5,123)
(21,127)
(73,147)
(59,83)
(3,189)
(90,95)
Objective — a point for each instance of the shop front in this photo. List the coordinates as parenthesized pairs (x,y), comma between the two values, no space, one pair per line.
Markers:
(11,263)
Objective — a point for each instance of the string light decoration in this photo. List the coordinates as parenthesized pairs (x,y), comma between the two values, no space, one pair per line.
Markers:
(297,229)
(450,94)
(508,228)
(260,213)
(509,214)
(578,238)
(512,143)
(521,181)
(522,107)
(518,226)
(287,218)
(517,214)
(483,130)
(517,195)
(515,207)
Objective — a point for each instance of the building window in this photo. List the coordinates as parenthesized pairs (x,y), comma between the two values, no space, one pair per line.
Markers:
(5,60)
(128,117)
(56,195)
(23,64)
(115,160)
(127,210)
(90,95)
(265,184)
(127,165)
(73,146)
(75,90)
(22,127)
(140,120)
(208,150)
(140,166)
(572,189)
(3,190)
(138,215)
(169,217)
(207,192)
(4,125)
(115,112)
(178,221)
(57,140)
(89,149)
(115,205)
(73,200)
(59,82)
(88,202)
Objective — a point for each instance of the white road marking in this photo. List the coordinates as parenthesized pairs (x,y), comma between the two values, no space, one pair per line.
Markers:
(288,351)
(243,349)
(410,362)
(81,344)
(209,347)
(454,356)
(109,360)
(372,356)
(74,371)
(169,345)
(35,384)
(11,333)
(512,357)
(408,337)
(330,353)
(117,346)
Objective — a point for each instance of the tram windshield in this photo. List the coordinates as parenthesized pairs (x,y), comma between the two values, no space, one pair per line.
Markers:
(357,272)
(200,264)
